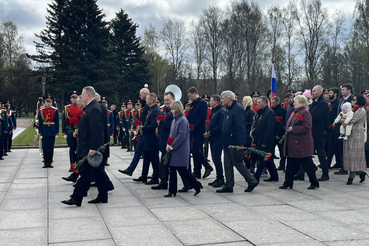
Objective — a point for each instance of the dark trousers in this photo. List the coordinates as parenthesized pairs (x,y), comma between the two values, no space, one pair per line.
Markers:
(122,137)
(322,158)
(216,154)
(137,156)
(115,136)
(293,165)
(48,143)
(164,169)
(1,146)
(367,157)
(72,143)
(9,142)
(127,133)
(5,142)
(198,157)
(153,157)
(185,175)
(229,163)
(335,149)
(88,172)
(269,164)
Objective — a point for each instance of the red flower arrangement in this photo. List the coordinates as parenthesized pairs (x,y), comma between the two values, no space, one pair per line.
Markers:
(207,122)
(279,118)
(298,118)
(74,121)
(186,113)
(170,141)
(266,158)
(137,122)
(160,117)
(191,126)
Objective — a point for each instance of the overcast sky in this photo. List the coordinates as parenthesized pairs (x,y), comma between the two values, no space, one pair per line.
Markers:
(30,14)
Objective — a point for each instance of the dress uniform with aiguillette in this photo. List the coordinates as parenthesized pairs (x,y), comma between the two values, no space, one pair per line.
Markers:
(121,126)
(110,130)
(3,128)
(127,124)
(70,118)
(48,129)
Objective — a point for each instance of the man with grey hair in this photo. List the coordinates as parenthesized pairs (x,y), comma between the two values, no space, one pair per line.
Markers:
(234,133)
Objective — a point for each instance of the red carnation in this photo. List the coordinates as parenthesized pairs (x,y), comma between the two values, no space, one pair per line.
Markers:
(170,141)
(279,118)
(191,126)
(268,157)
(299,117)
(137,122)
(207,122)
(160,117)
(330,126)
(186,114)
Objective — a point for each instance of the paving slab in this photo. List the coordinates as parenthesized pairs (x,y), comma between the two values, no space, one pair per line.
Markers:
(31,212)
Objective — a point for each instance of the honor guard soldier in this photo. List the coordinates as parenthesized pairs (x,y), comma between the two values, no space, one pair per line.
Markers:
(48,129)
(3,128)
(111,127)
(121,127)
(135,114)
(255,96)
(70,122)
(12,125)
(127,123)
(236,96)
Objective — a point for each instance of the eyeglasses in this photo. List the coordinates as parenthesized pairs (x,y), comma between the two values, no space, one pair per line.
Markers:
(354,99)
(73,97)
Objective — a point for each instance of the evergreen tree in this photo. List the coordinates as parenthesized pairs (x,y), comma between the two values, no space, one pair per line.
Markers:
(127,55)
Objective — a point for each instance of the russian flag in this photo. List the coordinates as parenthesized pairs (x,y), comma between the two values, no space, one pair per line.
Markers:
(274,83)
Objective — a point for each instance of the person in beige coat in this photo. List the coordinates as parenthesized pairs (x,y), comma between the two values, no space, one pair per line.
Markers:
(353,149)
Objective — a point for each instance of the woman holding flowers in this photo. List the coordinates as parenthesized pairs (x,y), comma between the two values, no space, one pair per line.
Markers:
(298,144)
(178,146)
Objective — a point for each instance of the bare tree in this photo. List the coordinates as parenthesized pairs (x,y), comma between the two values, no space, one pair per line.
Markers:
(362,27)
(176,43)
(199,48)
(313,24)
(12,42)
(276,27)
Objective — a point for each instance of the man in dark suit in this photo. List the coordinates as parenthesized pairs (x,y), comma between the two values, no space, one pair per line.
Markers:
(264,136)
(319,113)
(346,92)
(151,141)
(91,137)
(330,136)
(279,128)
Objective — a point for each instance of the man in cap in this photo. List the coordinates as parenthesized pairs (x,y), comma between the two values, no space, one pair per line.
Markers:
(128,124)
(48,129)
(111,127)
(121,128)
(255,96)
(115,118)
(70,122)
(12,125)
(326,95)
(3,128)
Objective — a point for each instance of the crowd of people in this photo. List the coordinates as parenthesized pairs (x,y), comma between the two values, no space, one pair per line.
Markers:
(305,124)
(8,124)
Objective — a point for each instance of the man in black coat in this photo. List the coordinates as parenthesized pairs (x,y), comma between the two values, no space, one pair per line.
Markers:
(319,113)
(91,137)
(151,141)
(330,136)
(264,136)
(279,129)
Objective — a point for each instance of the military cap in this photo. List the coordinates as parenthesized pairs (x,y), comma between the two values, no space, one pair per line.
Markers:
(74,94)
(123,104)
(138,102)
(187,103)
(325,91)
(364,92)
(158,100)
(255,94)
(206,97)
(236,94)
(269,92)
(291,91)
(129,102)
(7,103)
(105,99)
(48,97)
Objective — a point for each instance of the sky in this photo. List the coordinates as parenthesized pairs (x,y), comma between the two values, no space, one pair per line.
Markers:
(29,15)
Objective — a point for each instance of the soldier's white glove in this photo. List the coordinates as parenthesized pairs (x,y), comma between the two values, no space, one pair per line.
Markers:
(40,137)
(36,130)
(56,136)
(65,136)
(111,136)
(134,132)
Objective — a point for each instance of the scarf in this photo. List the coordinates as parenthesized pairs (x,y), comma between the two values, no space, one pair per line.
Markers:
(356,108)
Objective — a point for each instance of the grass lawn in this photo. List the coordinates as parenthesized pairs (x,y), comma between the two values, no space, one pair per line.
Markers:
(26,138)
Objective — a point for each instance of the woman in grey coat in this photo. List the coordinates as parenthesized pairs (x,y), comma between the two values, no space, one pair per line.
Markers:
(180,151)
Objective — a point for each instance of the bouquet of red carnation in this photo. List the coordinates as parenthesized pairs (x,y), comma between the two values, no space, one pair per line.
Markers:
(207,122)
(186,113)
(191,126)
(160,117)
(279,118)
(74,122)
(298,118)
(267,157)
(137,122)
(170,141)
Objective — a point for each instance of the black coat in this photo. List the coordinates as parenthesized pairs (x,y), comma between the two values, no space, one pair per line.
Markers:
(333,107)
(150,140)
(216,123)
(197,117)
(234,126)
(106,122)
(319,113)
(264,130)
(249,117)
(279,127)
(164,129)
(91,129)
(145,110)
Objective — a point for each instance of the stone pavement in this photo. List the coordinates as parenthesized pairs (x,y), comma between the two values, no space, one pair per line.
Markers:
(31,212)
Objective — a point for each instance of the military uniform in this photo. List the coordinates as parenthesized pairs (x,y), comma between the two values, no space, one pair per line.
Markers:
(12,125)
(135,114)
(121,127)
(254,106)
(127,125)
(3,128)
(48,129)
(70,121)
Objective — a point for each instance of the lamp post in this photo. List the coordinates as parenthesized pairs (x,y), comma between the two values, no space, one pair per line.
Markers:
(43,81)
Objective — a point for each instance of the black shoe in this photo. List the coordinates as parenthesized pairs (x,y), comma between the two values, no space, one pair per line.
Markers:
(152,182)
(341,172)
(283,187)
(298,177)
(98,200)
(362,176)
(312,187)
(225,189)
(121,147)
(125,171)
(107,164)
(72,202)
(211,183)
(198,176)
(170,194)
(5,154)
(185,189)
(336,166)
(207,172)
(349,181)
(251,187)
(199,189)
(1,158)
(140,179)
(9,150)
(161,186)
(219,183)
(70,178)
(128,150)
(323,178)
(271,180)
